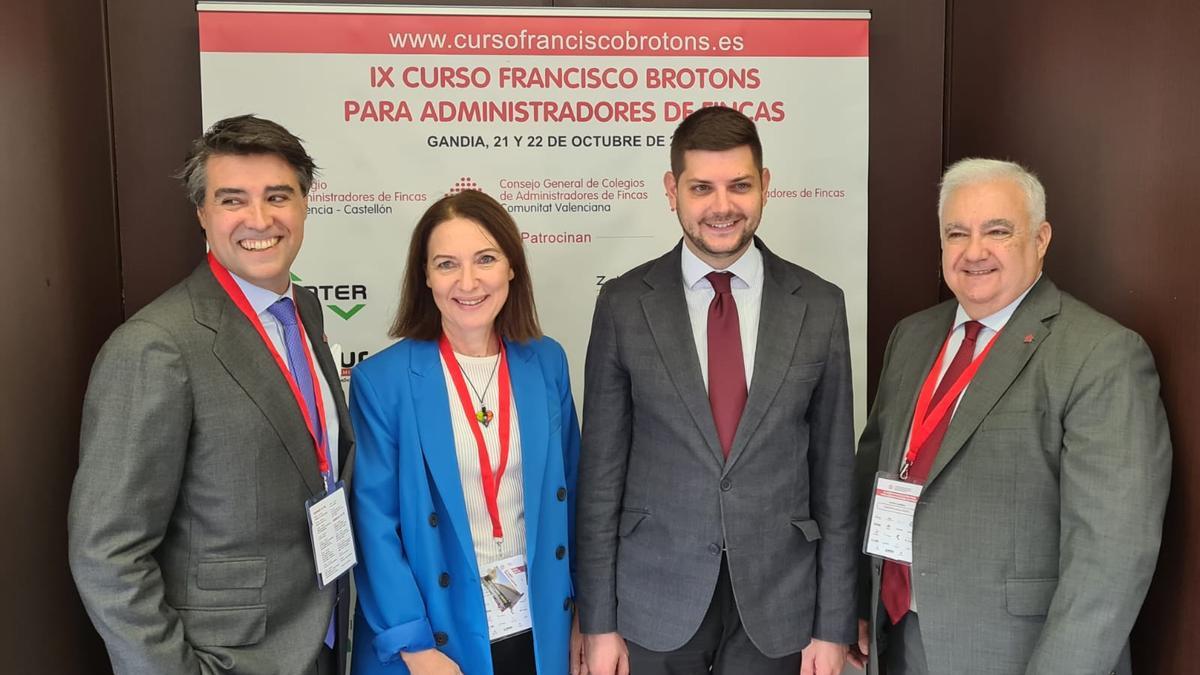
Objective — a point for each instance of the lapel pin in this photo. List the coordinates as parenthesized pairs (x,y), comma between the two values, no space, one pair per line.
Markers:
(1029,338)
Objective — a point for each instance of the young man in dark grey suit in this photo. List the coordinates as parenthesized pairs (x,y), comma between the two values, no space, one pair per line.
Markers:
(716,524)
(1044,474)
(211,418)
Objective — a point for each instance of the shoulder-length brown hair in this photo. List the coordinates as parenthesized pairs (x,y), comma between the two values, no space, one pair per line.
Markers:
(418,316)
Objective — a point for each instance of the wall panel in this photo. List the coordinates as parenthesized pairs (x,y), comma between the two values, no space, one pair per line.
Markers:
(1100,99)
(62,297)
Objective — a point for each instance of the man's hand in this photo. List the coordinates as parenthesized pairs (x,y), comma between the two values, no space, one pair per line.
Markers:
(822,658)
(859,652)
(578,659)
(606,654)
(430,662)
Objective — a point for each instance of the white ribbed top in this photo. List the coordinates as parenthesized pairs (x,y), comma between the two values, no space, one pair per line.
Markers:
(511,498)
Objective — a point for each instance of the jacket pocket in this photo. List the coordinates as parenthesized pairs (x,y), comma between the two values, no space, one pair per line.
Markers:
(226,573)
(1029,597)
(630,521)
(224,626)
(808,528)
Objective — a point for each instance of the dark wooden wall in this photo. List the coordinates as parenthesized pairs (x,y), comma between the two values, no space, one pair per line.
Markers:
(104,97)
(1102,101)
(62,297)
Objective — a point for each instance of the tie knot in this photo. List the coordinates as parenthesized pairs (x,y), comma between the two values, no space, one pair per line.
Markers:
(283,311)
(720,281)
(972,329)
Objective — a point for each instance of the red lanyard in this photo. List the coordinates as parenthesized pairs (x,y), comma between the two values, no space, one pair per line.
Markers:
(491,482)
(317,430)
(923,424)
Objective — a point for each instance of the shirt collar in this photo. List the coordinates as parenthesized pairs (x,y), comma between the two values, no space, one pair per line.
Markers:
(259,298)
(995,321)
(748,269)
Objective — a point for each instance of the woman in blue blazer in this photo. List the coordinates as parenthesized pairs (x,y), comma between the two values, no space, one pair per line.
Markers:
(467,450)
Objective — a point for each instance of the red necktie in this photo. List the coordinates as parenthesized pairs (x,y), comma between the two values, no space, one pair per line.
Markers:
(896,578)
(726,368)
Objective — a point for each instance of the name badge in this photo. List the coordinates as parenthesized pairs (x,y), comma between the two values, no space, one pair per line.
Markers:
(890,523)
(506,596)
(331,534)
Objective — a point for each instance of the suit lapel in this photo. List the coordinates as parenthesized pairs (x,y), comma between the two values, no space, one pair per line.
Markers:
(437,439)
(240,349)
(1006,360)
(666,313)
(529,393)
(916,360)
(778,332)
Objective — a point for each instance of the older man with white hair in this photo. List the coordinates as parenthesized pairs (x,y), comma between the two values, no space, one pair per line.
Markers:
(1015,466)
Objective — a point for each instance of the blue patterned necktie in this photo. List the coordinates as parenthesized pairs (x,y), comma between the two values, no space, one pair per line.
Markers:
(285,313)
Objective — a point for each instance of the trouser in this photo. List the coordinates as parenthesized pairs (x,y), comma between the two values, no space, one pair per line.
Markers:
(514,655)
(720,645)
(901,650)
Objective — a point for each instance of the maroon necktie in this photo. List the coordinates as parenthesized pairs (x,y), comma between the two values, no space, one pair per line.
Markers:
(896,578)
(726,368)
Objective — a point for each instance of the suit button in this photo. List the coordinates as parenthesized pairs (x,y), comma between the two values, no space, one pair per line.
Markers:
(726,485)
(714,549)
(560,552)
(440,639)
(444,580)
(561,494)
(433,520)
(567,604)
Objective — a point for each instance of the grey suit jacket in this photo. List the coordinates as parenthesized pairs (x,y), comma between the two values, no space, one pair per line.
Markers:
(188,535)
(1038,530)
(657,500)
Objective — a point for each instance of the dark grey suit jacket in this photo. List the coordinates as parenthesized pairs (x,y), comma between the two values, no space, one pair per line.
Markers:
(188,536)
(1038,529)
(657,500)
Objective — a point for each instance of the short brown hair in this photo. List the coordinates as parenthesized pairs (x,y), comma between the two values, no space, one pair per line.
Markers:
(714,128)
(243,135)
(418,316)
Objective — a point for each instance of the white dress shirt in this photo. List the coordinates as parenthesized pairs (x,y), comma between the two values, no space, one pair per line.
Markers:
(746,286)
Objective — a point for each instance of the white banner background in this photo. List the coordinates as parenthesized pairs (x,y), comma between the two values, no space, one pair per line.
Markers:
(814,134)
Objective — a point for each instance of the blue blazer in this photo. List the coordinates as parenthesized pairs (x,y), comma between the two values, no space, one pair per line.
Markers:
(417,577)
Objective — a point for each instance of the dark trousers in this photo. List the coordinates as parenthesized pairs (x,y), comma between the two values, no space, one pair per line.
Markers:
(326,662)
(514,655)
(901,650)
(720,645)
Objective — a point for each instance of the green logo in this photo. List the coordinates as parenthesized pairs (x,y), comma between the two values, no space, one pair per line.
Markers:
(346,313)
(338,292)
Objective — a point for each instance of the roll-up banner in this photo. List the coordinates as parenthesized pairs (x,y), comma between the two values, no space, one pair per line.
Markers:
(564,116)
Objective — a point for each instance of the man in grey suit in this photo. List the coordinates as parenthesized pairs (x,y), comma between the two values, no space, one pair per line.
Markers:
(716,525)
(1045,472)
(206,429)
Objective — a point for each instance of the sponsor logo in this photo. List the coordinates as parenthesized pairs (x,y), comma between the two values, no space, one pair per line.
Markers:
(463,183)
(345,296)
(349,359)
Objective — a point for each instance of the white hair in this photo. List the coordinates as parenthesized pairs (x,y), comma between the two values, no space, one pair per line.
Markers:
(974,170)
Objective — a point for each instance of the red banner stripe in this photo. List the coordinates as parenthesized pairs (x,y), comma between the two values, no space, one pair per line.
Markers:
(315,33)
